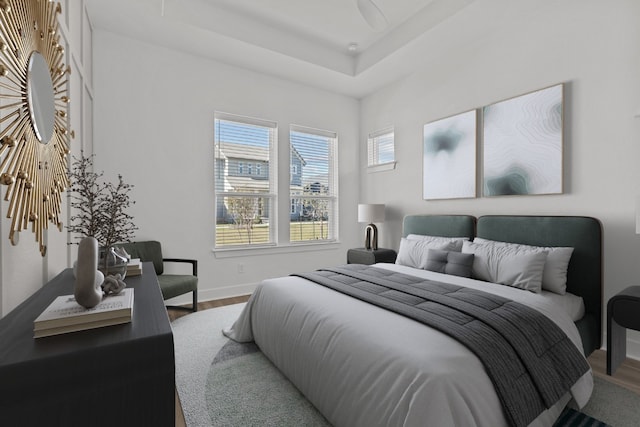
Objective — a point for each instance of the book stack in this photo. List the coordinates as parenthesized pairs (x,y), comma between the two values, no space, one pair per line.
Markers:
(134,267)
(65,315)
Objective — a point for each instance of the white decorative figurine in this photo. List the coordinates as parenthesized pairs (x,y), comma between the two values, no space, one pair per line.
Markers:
(88,289)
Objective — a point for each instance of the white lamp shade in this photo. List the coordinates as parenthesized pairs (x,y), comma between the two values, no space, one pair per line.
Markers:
(370,213)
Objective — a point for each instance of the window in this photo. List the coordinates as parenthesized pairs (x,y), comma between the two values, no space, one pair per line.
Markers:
(313,185)
(245,203)
(381,149)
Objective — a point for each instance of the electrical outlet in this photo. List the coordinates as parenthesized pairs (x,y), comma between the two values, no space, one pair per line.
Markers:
(240,268)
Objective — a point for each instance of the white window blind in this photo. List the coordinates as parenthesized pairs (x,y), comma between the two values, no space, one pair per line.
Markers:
(381,147)
(313,185)
(245,198)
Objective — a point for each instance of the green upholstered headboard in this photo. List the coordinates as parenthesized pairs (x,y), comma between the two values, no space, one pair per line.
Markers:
(439,225)
(584,276)
(584,234)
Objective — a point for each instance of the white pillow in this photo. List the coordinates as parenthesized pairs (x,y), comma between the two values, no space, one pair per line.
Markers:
(438,240)
(507,266)
(554,276)
(415,252)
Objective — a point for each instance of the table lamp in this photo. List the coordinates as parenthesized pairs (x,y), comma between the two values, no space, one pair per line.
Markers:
(371,213)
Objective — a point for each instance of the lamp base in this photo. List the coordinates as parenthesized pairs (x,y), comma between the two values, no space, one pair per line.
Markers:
(371,237)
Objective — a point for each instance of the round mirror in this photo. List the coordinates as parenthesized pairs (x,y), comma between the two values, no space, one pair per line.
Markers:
(40,97)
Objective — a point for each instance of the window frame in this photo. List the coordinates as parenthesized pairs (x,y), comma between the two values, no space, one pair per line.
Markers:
(332,184)
(280,241)
(271,165)
(374,141)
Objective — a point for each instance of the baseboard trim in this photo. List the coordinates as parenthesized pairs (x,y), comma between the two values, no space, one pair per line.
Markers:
(215,294)
(633,347)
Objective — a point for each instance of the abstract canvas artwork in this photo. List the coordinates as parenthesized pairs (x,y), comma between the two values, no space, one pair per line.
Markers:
(522,141)
(449,157)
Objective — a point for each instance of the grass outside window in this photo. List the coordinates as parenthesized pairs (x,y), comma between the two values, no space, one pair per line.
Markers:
(232,234)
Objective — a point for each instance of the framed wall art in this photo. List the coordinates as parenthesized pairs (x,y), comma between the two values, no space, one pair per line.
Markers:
(523,144)
(449,157)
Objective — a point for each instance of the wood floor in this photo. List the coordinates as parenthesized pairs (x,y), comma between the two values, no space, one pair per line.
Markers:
(627,375)
(174,314)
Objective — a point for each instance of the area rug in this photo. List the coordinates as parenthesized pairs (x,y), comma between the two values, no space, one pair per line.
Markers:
(222,383)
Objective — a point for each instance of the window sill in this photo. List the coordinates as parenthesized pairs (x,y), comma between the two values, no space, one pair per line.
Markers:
(223,253)
(381,167)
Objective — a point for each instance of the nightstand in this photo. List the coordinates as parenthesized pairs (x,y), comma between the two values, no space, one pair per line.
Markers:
(623,311)
(369,256)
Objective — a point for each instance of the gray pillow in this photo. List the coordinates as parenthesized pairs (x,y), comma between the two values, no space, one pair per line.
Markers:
(454,263)
(413,253)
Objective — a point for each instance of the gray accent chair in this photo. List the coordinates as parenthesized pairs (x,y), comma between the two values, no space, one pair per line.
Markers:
(171,285)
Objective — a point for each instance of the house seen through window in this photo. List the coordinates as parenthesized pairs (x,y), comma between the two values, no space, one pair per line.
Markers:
(313,184)
(244,200)
(246,188)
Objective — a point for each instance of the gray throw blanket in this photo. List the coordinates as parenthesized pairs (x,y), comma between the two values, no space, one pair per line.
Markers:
(530,360)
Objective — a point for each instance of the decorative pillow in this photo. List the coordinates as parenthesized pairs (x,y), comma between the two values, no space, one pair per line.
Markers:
(414,253)
(455,263)
(437,240)
(554,276)
(506,265)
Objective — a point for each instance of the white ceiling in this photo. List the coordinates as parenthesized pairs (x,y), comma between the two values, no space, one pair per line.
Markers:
(301,40)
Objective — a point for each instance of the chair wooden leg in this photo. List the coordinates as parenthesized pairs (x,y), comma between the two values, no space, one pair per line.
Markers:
(193,308)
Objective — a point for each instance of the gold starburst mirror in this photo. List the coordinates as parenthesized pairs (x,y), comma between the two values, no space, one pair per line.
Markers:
(34,137)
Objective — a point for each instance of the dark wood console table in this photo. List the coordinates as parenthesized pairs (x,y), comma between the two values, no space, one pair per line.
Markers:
(121,375)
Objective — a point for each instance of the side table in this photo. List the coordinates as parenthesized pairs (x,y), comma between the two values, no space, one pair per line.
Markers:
(370,256)
(622,313)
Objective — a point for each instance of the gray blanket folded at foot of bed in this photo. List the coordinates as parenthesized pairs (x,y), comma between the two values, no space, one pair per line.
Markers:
(530,361)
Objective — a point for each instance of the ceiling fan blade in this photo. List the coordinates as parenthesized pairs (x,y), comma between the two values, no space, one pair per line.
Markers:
(372,14)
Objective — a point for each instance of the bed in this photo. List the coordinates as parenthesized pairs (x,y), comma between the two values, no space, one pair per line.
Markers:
(363,365)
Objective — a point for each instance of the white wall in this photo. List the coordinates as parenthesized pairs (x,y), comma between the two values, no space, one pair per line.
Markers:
(591,46)
(23,270)
(154,125)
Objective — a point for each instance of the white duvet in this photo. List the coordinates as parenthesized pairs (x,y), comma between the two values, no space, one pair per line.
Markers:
(361,365)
